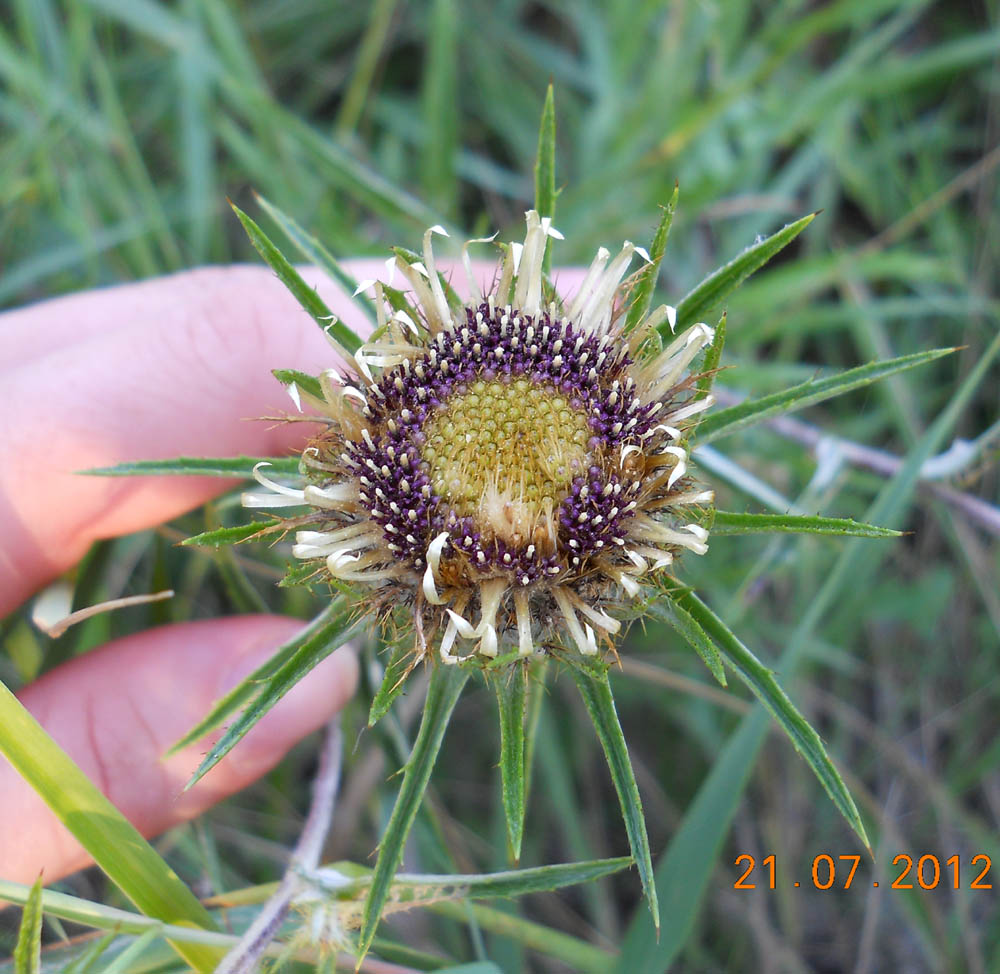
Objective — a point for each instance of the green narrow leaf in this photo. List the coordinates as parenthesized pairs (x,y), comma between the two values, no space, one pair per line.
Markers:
(511,691)
(536,696)
(220,537)
(239,467)
(731,522)
(242,593)
(726,421)
(595,689)
(766,688)
(243,693)
(28,951)
(127,859)
(712,358)
(316,307)
(545,170)
(442,694)
(416,888)
(314,251)
(392,682)
(712,291)
(305,574)
(305,657)
(642,293)
(686,626)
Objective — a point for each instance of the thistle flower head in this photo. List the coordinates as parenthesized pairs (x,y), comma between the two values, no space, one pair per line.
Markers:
(513,469)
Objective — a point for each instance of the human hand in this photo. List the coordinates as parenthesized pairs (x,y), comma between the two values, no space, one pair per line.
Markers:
(168,367)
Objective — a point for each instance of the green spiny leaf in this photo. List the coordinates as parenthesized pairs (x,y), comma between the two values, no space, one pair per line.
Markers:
(412,257)
(712,358)
(310,654)
(304,574)
(731,522)
(308,384)
(642,293)
(511,691)
(314,251)
(595,689)
(240,467)
(392,682)
(302,292)
(413,889)
(334,618)
(442,694)
(545,170)
(533,712)
(712,291)
(398,301)
(765,687)
(226,536)
(28,951)
(733,418)
(686,625)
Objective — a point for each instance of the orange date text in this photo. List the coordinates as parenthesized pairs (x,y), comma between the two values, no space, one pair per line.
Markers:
(926,871)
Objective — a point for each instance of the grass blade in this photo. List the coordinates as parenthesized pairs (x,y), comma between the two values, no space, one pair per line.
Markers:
(260,693)
(28,950)
(346,341)
(127,859)
(239,467)
(442,694)
(642,293)
(595,689)
(314,251)
(123,963)
(369,52)
(731,522)
(511,694)
(733,418)
(545,170)
(440,108)
(712,291)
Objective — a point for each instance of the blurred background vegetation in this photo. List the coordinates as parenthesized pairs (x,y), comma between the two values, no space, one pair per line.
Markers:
(124,125)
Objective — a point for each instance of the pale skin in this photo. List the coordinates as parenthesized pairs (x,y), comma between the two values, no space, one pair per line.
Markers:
(174,366)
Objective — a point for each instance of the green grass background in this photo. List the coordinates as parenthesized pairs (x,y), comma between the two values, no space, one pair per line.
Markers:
(124,124)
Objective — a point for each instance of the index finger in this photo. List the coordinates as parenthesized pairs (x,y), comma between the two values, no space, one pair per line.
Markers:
(175,366)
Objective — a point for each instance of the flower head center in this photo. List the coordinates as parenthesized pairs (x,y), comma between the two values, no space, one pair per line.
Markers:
(512,441)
